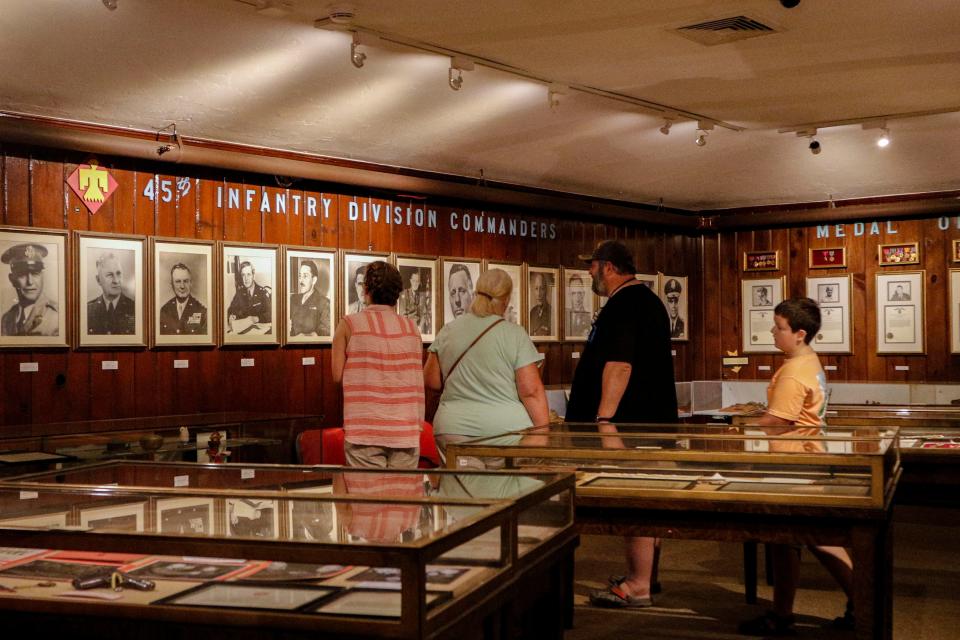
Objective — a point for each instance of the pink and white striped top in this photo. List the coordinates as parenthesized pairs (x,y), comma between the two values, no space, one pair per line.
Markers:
(383,379)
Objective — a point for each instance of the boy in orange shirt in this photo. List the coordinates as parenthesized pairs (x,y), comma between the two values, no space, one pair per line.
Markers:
(796,404)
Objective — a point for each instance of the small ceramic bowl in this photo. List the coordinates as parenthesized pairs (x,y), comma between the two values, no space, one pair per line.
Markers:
(151,441)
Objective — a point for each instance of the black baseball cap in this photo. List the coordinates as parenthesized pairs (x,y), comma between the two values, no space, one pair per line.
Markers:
(614,252)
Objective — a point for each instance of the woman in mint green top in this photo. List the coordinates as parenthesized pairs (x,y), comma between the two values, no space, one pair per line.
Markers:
(496,387)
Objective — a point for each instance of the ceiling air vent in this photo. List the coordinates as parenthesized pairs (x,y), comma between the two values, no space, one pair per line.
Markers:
(725,30)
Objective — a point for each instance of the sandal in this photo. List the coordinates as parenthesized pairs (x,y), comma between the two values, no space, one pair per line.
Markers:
(616,581)
(614,597)
(769,624)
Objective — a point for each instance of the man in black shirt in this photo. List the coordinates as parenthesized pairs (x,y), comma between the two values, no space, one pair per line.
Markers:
(625,375)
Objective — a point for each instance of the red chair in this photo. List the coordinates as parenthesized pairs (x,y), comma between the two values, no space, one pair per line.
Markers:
(325,446)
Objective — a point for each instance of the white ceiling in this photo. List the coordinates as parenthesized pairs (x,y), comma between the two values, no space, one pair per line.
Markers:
(221,70)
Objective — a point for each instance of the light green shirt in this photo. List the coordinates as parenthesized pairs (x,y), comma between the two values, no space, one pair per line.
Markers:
(480,398)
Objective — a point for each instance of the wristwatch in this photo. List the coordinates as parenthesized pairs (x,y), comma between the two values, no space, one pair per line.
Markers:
(600,418)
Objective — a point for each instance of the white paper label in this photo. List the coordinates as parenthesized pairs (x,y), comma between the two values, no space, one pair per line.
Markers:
(247,474)
(673,352)
(763,367)
(29,367)
(29,495)
(246,362)
(830,367)
(902,367)
(181,364)
(309,361)
(181,481)
(109,365)
(575,355)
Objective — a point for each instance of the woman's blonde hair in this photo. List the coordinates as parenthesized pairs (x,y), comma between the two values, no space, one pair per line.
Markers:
(493,287)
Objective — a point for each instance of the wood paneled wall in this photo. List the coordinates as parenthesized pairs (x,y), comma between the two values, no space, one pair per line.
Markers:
(723,262)
(33,192)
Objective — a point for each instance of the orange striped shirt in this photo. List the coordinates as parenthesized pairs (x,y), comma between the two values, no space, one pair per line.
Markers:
(383,379)
(382,522)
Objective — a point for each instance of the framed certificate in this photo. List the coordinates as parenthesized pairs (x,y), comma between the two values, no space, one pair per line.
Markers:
(899,309)
(833,295)
(757,301)
(954,310)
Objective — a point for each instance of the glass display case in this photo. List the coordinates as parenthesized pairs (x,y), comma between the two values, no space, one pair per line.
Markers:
(716,463)
(319,551)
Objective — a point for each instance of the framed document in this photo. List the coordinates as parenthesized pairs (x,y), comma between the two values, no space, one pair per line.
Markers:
(543,317)
(954,310)
(120,517)
(110,290)
(249,305)
(674,296)
(955,251)
(516,305)
(418,299)
(761,260)
(827,258)
(33,295)
(899,308)
(896,254)
(280,597)
(193,516)
(310,299)
(253,518)
(183,277)
(833,295)
(354,270)
(579,304)
(757,301)
(459,278)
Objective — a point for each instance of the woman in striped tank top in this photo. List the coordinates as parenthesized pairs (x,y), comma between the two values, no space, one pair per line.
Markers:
(378,356)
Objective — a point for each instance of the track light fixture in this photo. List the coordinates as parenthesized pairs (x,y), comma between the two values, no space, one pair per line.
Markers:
(667,123)
(701,138)
(357,57)
(110,4)
(704,127)
(554,93)
(458,65)
(884,140)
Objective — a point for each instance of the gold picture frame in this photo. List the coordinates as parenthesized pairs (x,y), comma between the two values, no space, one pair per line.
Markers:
(897,254)
(761,260)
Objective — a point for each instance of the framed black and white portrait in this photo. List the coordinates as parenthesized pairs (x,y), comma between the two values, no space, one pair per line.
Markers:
(460,277)
(33,293)
(354,271)
(310,298)
(579,304)
(110,290)
(543,308)
(832,295)
(673,292)
(900,312)
(183,303)
(649,280)
(249,306)
(515,306)
(954,314)
(418,300)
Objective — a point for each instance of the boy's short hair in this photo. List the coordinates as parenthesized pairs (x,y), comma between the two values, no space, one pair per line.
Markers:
(800,313)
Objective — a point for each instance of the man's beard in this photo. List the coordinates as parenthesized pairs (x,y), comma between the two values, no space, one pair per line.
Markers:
(597,285)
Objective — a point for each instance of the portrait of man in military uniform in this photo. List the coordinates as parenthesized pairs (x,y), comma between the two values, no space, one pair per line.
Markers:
(416,298)
(34,313)
(675,299)
(542,297)
(182,314)
(249,306)
(309,308)
(578,307)
(112,312)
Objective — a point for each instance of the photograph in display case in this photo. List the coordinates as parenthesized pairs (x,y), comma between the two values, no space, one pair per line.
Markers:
(896,254)
(183,277)
(252,518)
(53,570)
(827,258)
(389,577)
(900,312)
(188,569)
(311,298)
(674,296)
(758,299)
(832,294)
(579,304)
(459,278)
(954,311)
(354,271)
(371,602)
(119,517)
(236,595)
(294,572)
(417,298)
(515,271)
(53,520)
(249,305)
(110,290)
(312,519)
(543,317)
(761,260)
(185,515)
(33,295)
